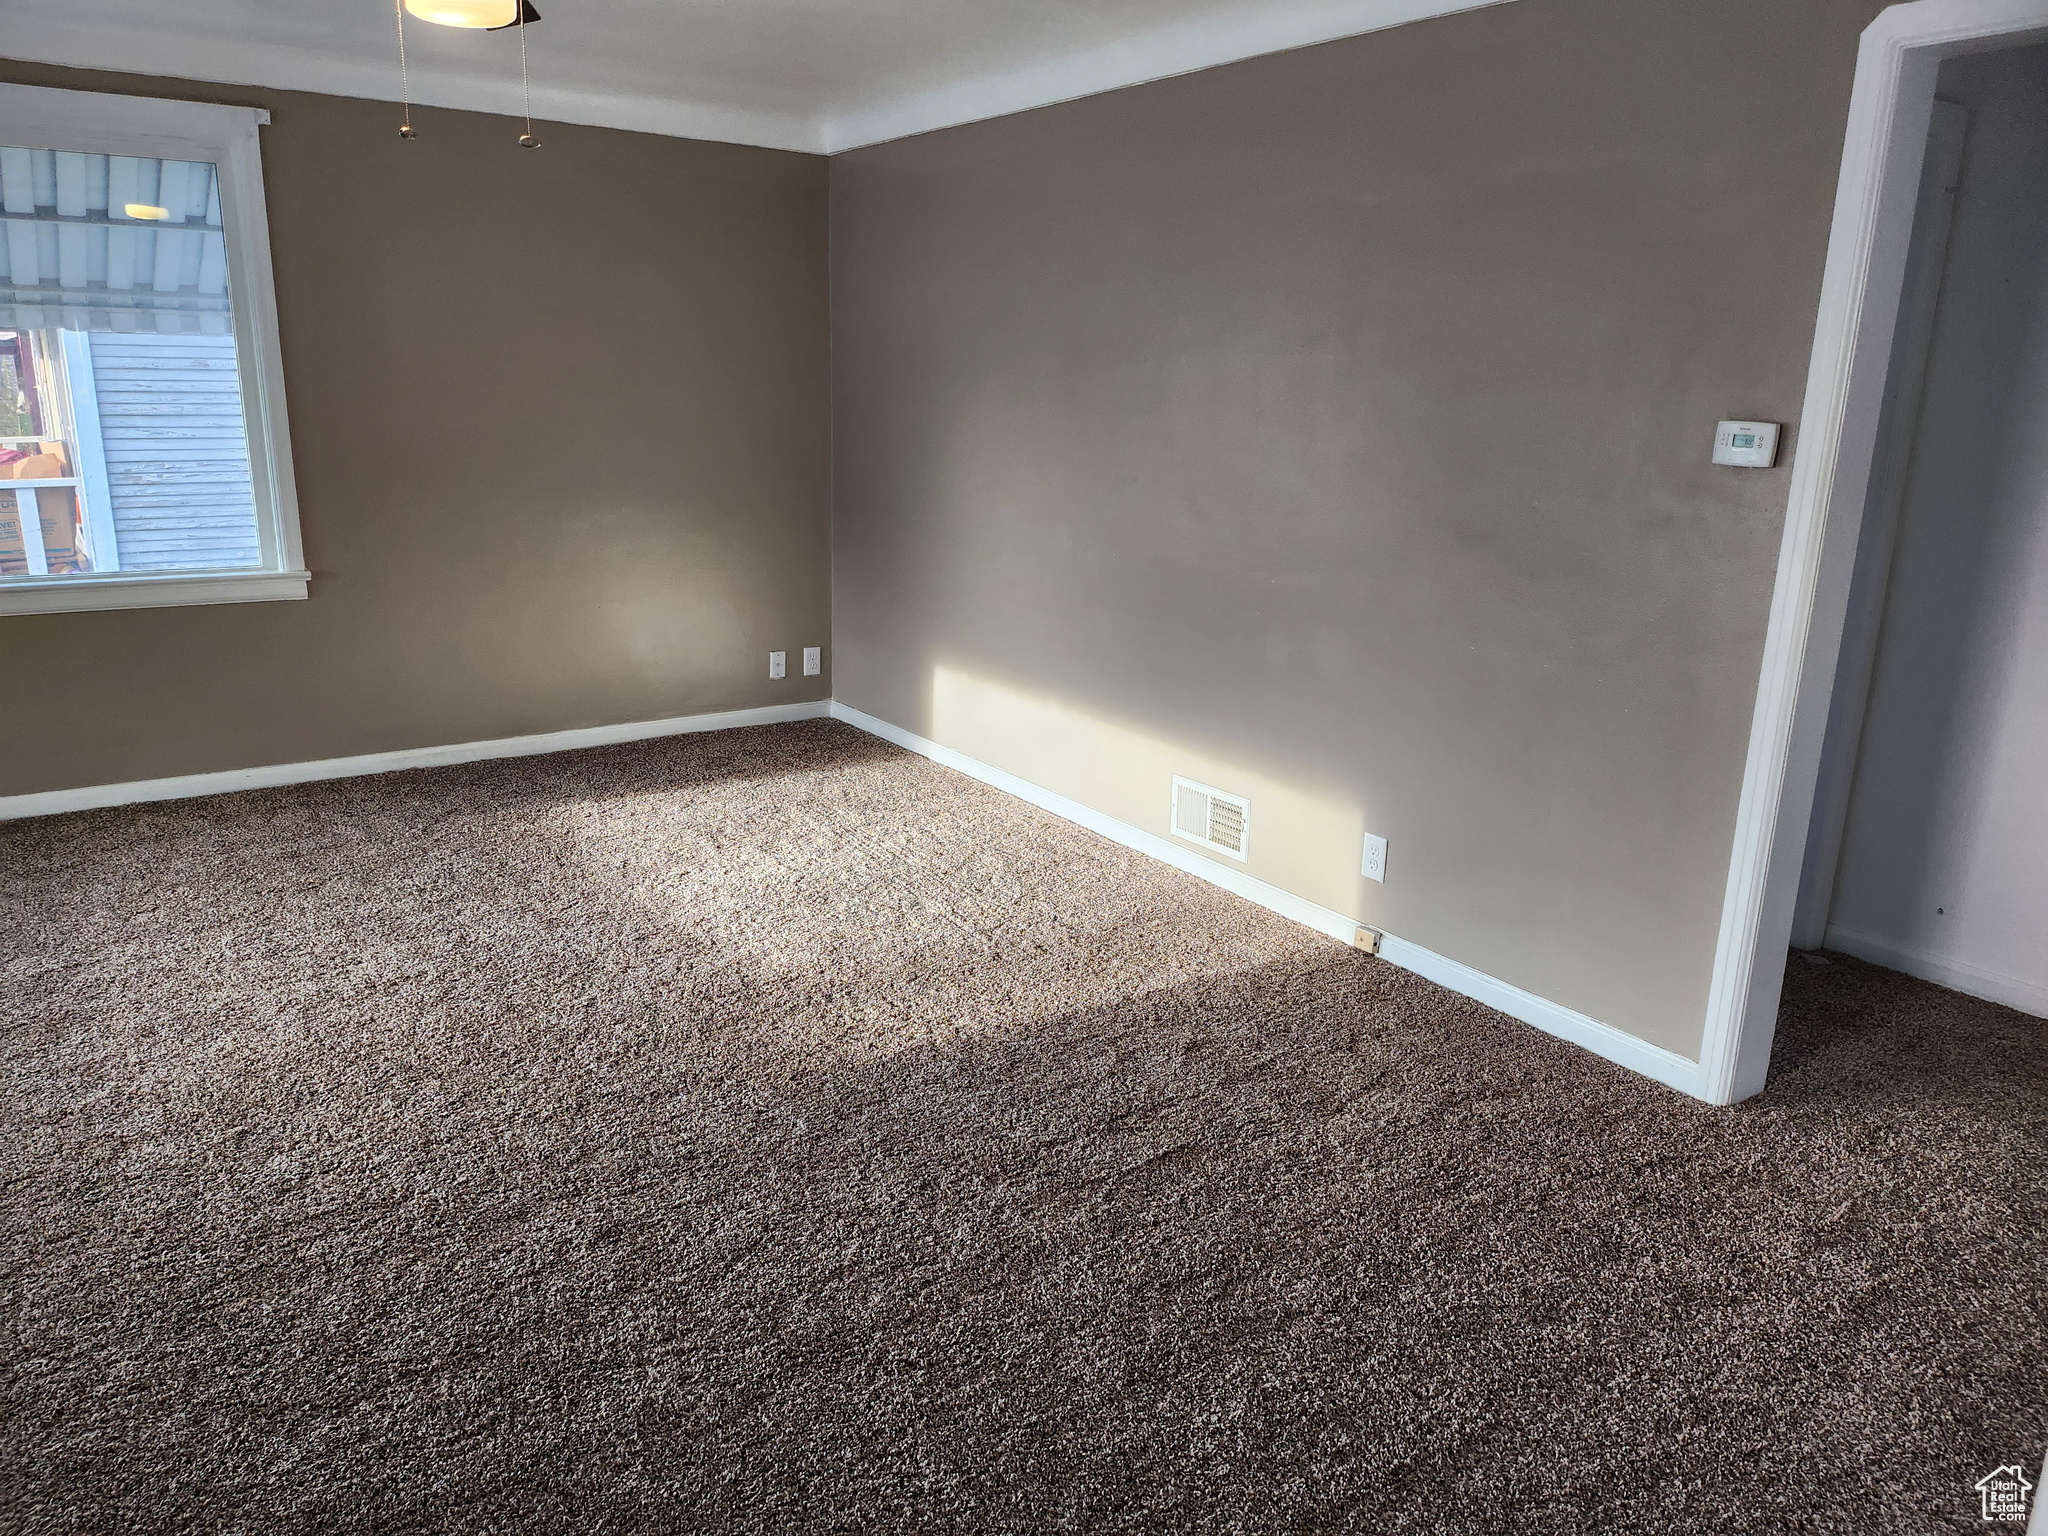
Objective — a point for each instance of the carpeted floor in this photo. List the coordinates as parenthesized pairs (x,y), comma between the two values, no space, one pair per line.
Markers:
(774,1132)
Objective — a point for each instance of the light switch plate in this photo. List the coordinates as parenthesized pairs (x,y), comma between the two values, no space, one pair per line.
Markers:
(1746,444)
(814,660)
(778,664)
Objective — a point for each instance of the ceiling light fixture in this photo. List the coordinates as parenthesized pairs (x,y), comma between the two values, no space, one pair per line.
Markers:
(482,15)
(476,16)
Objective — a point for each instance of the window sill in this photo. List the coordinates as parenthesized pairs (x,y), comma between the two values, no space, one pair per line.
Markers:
(74,594)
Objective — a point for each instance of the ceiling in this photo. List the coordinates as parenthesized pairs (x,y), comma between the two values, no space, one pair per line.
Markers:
(819,75)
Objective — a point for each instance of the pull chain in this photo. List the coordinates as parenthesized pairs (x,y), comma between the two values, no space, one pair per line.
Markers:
(405,129)
(526,139)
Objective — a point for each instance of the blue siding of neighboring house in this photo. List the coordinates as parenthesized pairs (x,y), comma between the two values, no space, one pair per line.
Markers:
(177,461)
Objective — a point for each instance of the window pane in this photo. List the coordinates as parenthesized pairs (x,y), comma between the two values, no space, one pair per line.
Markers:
(122,446)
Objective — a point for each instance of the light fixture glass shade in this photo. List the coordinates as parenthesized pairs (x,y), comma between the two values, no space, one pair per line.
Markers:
(466,13)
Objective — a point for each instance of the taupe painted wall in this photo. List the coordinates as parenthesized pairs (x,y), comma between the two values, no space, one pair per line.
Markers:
(561,427)
(1341,420)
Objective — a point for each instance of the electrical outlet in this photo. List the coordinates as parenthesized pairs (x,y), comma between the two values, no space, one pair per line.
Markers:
(778,664)
(814,660)
(1374,865)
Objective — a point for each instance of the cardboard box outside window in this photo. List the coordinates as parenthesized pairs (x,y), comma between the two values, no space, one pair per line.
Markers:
(63,549)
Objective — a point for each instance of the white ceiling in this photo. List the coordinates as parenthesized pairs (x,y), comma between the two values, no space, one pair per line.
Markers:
(790,74)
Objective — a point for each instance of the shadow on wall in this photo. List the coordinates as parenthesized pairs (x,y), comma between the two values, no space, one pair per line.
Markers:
(1304,843)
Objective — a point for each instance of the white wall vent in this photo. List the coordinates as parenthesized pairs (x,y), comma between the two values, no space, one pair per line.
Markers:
(1212,818)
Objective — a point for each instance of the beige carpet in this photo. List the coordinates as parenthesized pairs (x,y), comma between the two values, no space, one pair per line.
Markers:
(774,1132)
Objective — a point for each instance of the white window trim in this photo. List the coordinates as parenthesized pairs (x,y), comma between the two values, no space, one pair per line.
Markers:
(98,123)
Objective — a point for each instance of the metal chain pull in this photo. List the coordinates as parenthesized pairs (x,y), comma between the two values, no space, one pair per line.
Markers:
(405,129)
(526,139)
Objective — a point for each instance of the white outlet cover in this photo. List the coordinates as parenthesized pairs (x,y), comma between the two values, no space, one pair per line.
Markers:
(814,660)
(778,664)
(1374,865)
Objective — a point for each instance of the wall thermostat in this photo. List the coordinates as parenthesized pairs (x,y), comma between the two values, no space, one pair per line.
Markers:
(1747,444)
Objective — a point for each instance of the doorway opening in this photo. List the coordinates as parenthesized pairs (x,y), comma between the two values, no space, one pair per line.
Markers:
(1873,311)
(1928,847)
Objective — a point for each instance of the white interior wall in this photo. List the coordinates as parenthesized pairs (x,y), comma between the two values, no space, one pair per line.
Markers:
(1944,869)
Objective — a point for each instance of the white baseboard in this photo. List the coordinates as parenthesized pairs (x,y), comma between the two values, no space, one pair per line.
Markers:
(1992,986)
(1552,1018)
(55,801)
(1603,1040)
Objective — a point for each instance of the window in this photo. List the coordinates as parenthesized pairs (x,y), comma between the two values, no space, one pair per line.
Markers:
(143,453)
